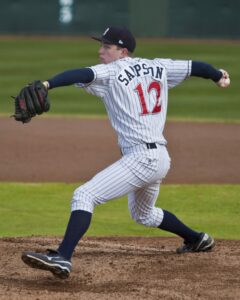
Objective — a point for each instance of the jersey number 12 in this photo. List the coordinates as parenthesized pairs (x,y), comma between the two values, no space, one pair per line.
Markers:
(154,85)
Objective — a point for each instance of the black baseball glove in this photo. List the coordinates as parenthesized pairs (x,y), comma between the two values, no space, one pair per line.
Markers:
(31,101)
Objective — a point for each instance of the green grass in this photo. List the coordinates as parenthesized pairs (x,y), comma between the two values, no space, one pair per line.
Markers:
(23,60)
(43,209)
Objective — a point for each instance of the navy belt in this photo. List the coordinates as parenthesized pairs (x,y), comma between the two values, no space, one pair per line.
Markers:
(151,145)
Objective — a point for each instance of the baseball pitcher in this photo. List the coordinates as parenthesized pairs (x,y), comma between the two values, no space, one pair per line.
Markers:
(135,93)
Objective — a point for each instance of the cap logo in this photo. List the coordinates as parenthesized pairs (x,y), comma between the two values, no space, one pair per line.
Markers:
(120,42)
(105,32)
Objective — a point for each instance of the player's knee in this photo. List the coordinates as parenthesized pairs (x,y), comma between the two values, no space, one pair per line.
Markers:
(151,218)
(83,200)
(140,218)
(144,220)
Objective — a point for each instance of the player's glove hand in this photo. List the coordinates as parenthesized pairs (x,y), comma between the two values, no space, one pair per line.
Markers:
(31,101)
(224,80)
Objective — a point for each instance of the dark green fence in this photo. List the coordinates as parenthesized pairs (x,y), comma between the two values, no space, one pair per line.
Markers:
(146,18)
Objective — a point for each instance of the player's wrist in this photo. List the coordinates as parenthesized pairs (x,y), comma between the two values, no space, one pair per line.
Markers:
(46,84)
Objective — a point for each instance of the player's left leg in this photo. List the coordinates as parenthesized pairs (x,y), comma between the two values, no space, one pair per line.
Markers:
(129,173)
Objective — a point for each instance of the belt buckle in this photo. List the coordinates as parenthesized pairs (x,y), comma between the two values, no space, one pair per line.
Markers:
(151,145)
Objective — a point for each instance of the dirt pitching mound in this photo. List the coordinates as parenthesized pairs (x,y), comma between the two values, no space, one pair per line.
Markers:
(123,268)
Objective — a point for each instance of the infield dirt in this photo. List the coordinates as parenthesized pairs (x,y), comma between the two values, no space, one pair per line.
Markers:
(123,268)
(72,150)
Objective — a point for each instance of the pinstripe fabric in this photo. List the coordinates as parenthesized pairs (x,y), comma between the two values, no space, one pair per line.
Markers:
(135,94)
(144,211)
(138,173)
(122,101)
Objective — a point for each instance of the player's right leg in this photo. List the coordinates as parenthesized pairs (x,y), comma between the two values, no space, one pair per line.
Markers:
(143,210)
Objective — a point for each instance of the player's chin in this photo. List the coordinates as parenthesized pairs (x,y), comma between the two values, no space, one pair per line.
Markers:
(102,60)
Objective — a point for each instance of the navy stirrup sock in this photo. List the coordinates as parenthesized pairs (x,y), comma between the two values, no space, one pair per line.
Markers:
(172,224)
(77,226)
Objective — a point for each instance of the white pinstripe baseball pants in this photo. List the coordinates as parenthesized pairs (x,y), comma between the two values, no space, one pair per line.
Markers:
(138,173)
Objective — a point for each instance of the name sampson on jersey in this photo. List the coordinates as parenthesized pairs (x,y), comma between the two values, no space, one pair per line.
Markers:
(138,70)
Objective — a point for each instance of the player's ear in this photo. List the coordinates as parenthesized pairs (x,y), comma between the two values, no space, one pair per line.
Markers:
(125,52)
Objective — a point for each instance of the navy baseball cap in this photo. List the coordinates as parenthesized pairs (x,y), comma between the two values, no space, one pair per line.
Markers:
(119,36)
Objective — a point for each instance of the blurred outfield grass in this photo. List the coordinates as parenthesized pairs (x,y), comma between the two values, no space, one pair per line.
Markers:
(26,59)
(44,209)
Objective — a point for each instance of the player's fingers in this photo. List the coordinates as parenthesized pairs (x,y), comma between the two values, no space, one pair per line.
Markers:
(227,75)
(224,73)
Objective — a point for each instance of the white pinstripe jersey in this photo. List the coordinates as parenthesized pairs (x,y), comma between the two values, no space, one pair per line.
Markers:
(135,94)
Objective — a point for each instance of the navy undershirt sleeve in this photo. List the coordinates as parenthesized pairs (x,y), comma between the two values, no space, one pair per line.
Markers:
(70,77)
(204,70)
